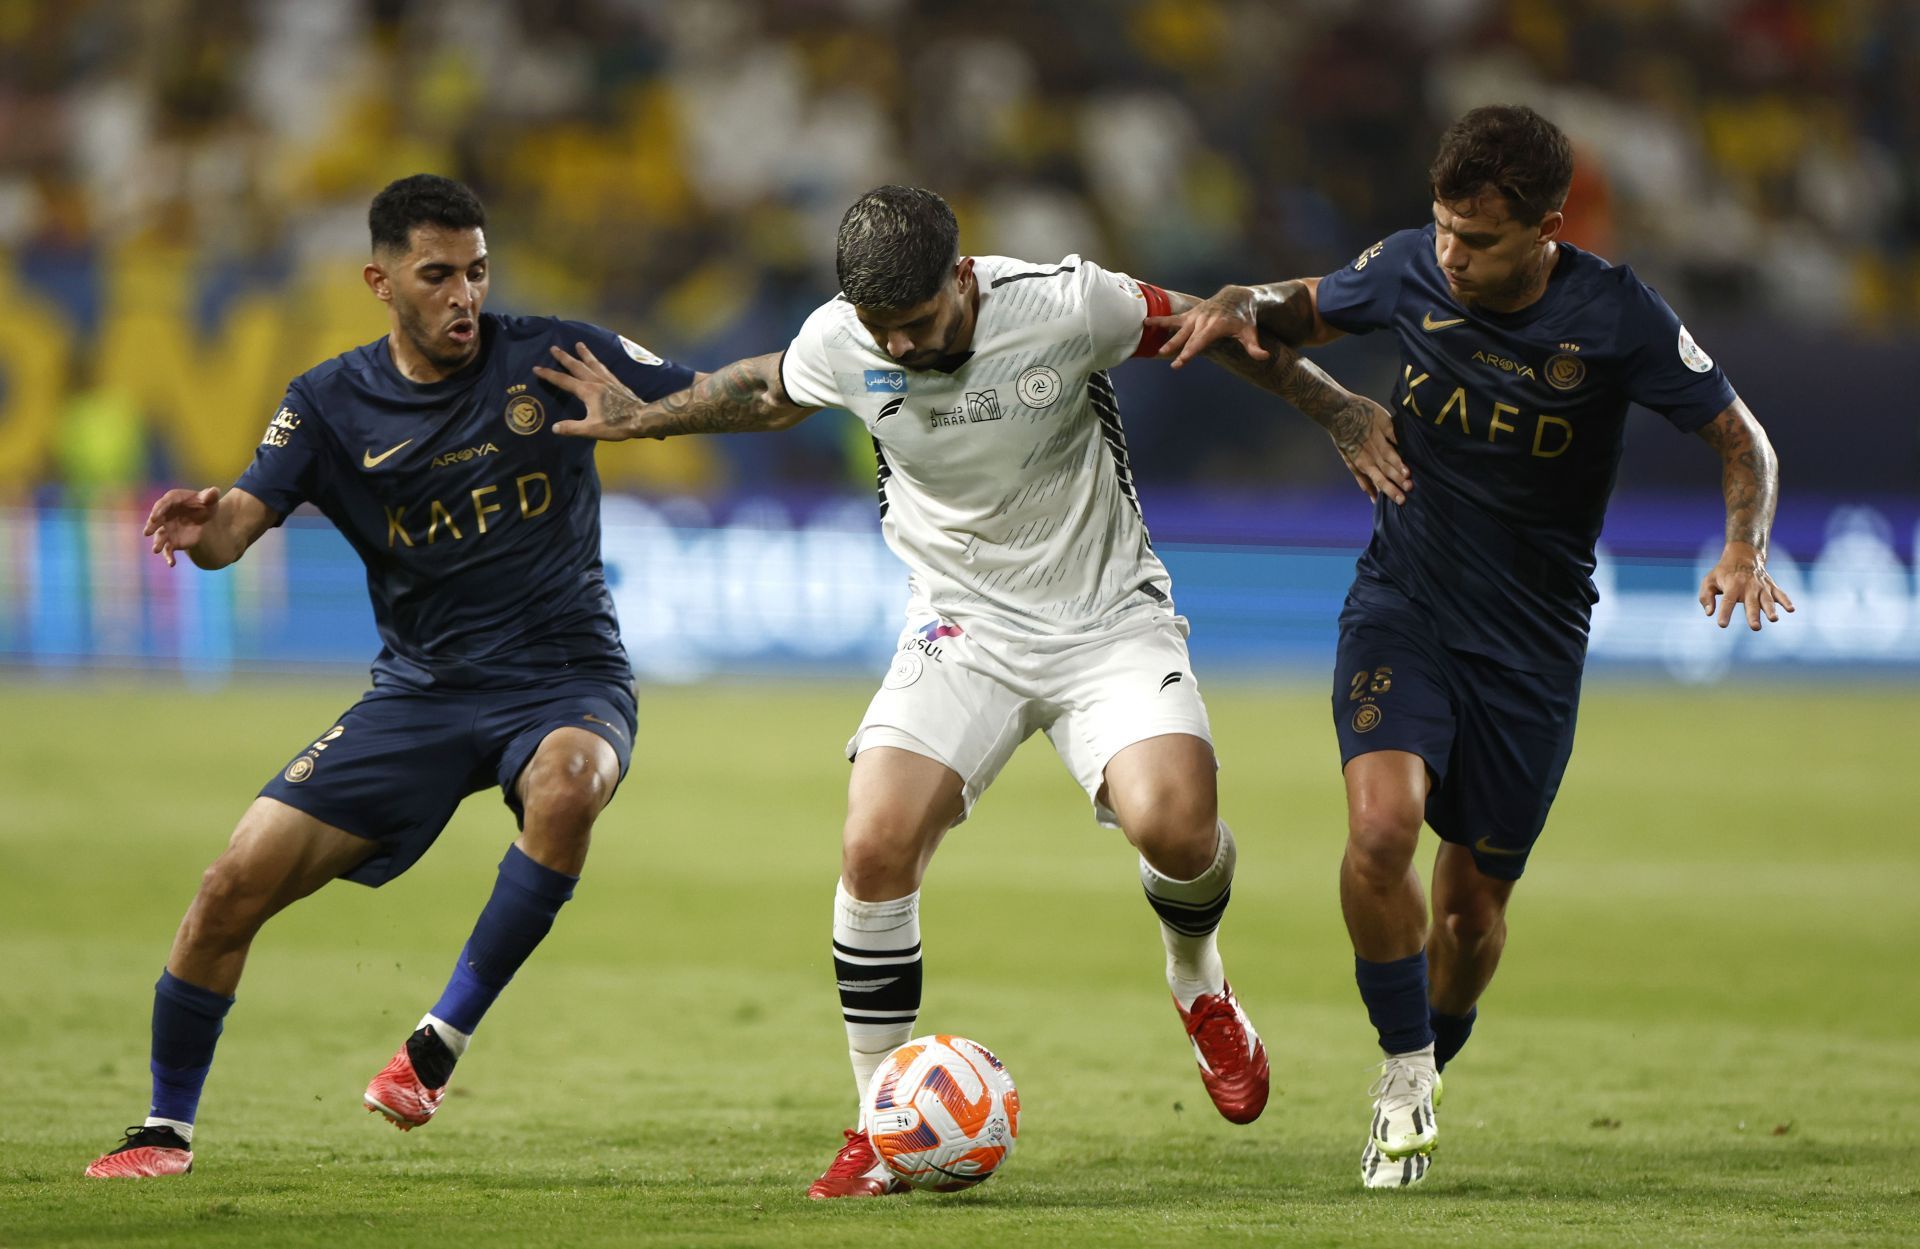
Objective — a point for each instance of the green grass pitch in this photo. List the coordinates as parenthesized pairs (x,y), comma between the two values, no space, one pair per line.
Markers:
(1704,1034)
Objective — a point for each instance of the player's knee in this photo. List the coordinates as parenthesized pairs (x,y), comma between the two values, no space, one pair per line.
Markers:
(563,793)
(1473,921)
(1173,821)
(879,859)
(231,904)
(1180,841)
(1382,835)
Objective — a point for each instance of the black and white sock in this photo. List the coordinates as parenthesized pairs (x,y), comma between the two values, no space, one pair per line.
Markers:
(1190,912)
(876,959)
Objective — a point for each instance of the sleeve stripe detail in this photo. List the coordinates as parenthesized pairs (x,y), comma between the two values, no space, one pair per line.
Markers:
(997,283)
(1153,337)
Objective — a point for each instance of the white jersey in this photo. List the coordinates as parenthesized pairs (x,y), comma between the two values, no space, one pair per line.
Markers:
(1004,485)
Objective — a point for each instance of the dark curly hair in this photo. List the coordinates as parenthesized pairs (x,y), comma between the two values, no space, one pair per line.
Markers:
(1508,148)
(896,247)
(421,199)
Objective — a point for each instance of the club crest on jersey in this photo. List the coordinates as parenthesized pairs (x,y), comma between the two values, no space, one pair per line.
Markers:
(1367,718)
(886,382)
(1038,387)
(525,415)
(1564,372)
(1691,355)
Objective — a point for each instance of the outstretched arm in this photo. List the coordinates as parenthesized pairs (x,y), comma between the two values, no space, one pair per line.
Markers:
(742,397)
(214,529)
(1287,311)
(1362,430)
(1750,481)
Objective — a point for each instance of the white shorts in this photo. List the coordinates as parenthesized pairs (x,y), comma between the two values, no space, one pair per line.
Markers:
(967,698)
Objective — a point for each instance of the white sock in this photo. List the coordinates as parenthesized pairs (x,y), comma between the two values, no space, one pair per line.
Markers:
(450,1036)
(876,962)
(1190,912)
(184,1129)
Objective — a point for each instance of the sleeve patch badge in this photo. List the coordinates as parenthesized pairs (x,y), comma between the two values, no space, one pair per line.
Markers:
(639,353)
(280,428)
(1691,355)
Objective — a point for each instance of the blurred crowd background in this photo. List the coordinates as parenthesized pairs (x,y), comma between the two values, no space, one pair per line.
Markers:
(183,186)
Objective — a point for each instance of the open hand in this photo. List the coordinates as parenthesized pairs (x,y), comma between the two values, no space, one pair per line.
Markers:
(1371,451)
(611,406)
(1742,577)
(178,519)
(1228,314)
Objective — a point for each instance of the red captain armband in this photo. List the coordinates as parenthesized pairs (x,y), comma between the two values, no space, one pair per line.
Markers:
(1153,337)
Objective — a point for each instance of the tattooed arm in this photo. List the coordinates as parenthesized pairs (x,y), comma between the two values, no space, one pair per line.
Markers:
(742,397)
(1362,430)
(1750,481)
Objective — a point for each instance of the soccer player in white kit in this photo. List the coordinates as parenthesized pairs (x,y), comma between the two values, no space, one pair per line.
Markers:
(1036,602)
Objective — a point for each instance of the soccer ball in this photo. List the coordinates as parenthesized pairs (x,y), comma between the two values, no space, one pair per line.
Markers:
(942,1113)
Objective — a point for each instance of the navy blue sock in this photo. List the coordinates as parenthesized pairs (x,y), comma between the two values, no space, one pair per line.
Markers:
(1396,998)
(186,1025)
(1450,1032)
(525,899)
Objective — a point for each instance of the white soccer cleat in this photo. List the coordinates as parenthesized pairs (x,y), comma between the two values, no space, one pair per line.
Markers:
(1379,1171)
(1403,1100)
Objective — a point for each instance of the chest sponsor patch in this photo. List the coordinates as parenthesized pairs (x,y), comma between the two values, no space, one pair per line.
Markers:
(886,381)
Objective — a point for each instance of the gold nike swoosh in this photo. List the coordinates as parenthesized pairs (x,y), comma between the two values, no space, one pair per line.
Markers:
(369,460)
(1428,324)
(593,719)
(1485,846)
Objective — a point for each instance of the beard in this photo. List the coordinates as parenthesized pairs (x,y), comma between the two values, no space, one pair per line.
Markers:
(444,356)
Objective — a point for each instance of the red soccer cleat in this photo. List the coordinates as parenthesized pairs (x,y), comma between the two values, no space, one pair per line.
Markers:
(400,1091)
(856,1171)
(147,1152)
(1233,1062)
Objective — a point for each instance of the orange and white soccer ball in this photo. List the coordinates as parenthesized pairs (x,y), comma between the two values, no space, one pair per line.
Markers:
(942,1113)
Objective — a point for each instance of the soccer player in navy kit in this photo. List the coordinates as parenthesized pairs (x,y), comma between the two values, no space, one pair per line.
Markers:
(433,452)
(1463,637)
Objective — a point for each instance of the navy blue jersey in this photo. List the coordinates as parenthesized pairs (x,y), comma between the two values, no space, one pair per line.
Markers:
(1512,425)
(479,526)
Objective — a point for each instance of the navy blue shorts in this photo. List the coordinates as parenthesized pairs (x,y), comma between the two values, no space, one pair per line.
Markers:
(1495,740)
(395,766)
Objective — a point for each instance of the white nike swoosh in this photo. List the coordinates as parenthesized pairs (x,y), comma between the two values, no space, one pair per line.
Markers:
(369,460)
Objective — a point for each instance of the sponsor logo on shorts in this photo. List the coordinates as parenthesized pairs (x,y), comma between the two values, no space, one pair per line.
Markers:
(906,669)
(300,769)
(928,640)
(1367,718)
(590,718)
(1172,678)
(1485,846)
